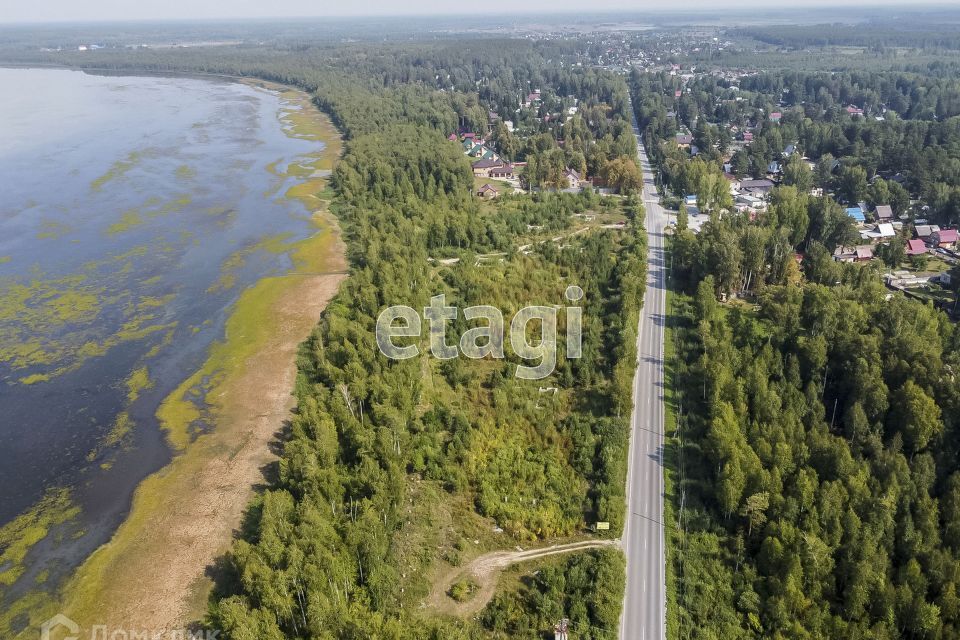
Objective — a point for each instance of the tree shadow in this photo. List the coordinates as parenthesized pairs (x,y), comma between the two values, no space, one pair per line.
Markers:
(223,571)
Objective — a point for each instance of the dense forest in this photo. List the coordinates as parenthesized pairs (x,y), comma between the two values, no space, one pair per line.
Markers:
(877,35)
(819,482)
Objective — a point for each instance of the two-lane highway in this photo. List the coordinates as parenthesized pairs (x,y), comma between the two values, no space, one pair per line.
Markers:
(644,604)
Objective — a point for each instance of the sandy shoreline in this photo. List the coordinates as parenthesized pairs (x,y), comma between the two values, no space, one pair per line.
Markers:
(154,574)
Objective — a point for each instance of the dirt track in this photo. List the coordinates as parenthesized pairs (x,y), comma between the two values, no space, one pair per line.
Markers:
(486,569)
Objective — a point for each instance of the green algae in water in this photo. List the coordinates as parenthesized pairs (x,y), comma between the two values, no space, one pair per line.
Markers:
(34,378)
(128,220)
(228,269)
(52,230)
(138,382)
(185,172)
(18,536)
(117,170)
(56,321)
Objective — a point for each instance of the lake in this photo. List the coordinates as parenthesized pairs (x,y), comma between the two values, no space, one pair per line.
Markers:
(133,213)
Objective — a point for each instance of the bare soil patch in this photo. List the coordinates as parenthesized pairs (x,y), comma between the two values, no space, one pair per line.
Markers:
(485,571)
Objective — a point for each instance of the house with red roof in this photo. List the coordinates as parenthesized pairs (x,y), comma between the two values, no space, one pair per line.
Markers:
(916,247)
(946,238)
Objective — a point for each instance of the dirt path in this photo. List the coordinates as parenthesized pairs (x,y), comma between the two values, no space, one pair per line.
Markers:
(485,571)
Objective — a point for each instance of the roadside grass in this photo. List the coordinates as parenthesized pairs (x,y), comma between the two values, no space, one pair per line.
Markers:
(672,452)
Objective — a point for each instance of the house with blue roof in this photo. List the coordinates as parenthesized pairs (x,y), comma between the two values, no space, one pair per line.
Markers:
(857,214)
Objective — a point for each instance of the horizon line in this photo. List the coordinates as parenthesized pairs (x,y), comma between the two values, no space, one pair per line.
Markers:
(751,5)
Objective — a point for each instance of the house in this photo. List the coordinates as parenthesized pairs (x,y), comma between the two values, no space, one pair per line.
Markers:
(882,231)
(774,168)
(684,140)
(916,247)
(945,239)
(844,254)
(452,137)
(762,187)
(573,178)
(884,213)
(748,136)
(745,202)
(734,182)
(854,110)
(488,191)
(857,214)
(503,173)
(482,168)
(677,93)
(690,200)
(924,231)
(776,116)
(789,150)
(860,253)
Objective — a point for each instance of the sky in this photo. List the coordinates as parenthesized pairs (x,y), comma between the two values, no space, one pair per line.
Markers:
(97,10)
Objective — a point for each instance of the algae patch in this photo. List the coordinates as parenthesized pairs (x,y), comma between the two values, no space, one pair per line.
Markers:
(185,172)
(128,220)
(117,170)
(57,322)
(18,536)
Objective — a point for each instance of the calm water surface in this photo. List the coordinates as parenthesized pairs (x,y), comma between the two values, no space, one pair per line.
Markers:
(133,212)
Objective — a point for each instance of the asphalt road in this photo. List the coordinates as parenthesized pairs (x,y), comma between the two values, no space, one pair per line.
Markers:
(644,605)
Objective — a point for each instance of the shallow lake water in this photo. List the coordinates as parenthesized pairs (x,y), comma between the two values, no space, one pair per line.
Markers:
(133,213)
